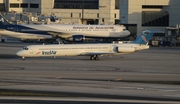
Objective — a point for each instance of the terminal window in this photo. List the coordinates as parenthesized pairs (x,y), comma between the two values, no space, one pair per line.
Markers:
(116,4)
(14,5)
(155,18)
(76,4)
(152,6)
(24,5)
(2,7)
(34,5)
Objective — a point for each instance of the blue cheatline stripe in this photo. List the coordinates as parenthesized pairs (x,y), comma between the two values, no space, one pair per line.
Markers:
(4,24)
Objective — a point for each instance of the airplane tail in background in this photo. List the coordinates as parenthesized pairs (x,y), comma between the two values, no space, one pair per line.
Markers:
(3,21)
(144,37)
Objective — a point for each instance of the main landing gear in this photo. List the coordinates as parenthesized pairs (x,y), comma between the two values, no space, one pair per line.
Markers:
(94,57)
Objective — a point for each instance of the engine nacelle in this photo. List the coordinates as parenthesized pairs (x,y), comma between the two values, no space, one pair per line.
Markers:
(126,49)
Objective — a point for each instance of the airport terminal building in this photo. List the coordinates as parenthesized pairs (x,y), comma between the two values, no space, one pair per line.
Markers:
(149,14)
(70,11)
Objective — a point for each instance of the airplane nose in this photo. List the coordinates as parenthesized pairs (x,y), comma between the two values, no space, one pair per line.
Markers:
(19,53)
(128,33)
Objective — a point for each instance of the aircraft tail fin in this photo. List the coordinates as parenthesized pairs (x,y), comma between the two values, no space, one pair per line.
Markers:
(144,37)
(3,20)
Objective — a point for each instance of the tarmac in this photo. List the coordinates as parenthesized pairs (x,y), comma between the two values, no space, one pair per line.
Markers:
(151,75)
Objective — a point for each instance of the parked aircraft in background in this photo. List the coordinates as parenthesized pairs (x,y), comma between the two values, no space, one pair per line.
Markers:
(92,50)
(67,32)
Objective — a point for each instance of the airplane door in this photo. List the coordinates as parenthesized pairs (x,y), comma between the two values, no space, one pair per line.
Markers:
(31,52)
(110,48)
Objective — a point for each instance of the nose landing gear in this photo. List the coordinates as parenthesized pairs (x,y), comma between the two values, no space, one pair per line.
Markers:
(94,57)
(23,58)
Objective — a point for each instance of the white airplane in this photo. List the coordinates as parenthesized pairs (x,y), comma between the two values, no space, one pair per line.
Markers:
(92,50)
(68,32)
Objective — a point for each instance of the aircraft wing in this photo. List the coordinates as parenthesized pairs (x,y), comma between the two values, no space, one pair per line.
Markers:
(52,31)
(95,53)
(60,34)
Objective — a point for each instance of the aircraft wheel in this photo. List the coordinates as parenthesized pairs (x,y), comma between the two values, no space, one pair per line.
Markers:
(92,58)
(96,58)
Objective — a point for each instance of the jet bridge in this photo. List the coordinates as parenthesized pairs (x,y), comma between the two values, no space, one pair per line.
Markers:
(172,34)
(171,37)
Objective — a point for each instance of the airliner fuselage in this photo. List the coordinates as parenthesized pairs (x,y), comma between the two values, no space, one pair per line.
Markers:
(92,50)
(63,31)
(79,49)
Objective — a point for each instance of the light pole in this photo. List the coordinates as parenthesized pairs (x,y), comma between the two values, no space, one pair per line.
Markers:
(82,11)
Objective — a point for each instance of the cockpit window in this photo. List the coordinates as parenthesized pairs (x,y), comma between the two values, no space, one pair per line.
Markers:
(25,48)
(124,30)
